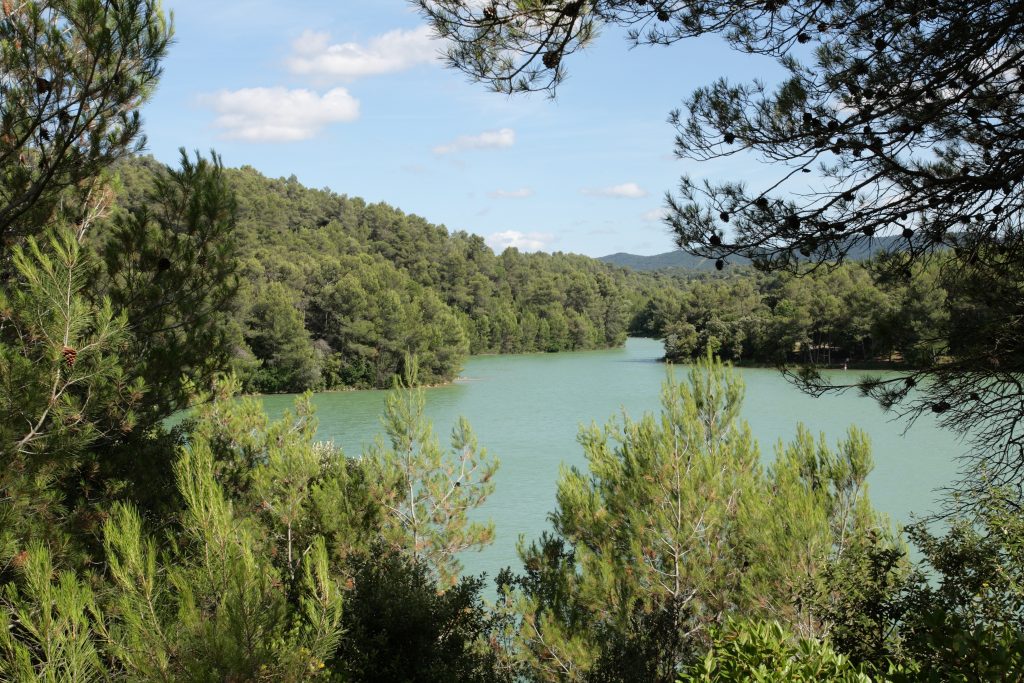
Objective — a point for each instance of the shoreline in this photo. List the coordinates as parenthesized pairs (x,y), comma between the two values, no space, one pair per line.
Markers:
(879,366)
(441,385)
(885,366)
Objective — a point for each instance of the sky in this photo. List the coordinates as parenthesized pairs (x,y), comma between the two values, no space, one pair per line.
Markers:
(353,96)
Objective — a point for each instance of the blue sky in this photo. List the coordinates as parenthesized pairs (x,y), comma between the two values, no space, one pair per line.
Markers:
(350,95)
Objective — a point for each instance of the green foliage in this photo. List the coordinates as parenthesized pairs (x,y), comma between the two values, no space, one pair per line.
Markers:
(676,526)
(211,607)
(170,267)
(95,354)
(822,318)
(60,368)
(860,601)
(45,627)
(425,492)
(964,614)
(813,514)
(277,335)
(370,315)
(62,386)
(400,621)
(956,615)
(767,652)
(218,608)
(399,627)
(297,488)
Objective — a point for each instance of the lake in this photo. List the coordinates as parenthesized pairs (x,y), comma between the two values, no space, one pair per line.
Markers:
(527,409)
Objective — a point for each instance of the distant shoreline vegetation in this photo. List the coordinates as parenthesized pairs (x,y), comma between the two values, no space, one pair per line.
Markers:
(825,318)
(867,366)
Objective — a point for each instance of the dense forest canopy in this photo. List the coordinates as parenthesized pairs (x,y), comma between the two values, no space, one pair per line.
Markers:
(825,318)
(335,291)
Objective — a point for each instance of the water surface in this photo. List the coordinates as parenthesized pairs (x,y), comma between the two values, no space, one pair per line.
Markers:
(527,410)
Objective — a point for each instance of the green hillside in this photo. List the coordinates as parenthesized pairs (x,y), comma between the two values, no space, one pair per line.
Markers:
(335,291)
(670,259)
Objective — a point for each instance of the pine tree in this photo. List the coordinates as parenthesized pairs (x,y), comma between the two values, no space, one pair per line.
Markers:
(47,627)
(96,353)
(170,264)
(62,384)
(427,493)
(74,73)
(210,605)
(677,525)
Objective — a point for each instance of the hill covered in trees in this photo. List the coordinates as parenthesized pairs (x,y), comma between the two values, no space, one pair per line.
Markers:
(335,291)
(859,251)
(670,259)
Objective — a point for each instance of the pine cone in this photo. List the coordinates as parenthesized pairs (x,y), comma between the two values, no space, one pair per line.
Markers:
(19,560)
(70,356)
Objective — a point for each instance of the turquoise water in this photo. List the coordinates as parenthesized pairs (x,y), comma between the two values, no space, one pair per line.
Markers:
(527,410)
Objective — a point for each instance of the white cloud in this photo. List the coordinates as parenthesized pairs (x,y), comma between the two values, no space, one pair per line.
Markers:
(655,215)
(492,139)
(623,191)
(529,241)
(521,193)
(279,114)
(315,55)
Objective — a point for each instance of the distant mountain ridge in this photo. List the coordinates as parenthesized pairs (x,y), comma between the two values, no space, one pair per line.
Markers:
(682,260)
(670,259)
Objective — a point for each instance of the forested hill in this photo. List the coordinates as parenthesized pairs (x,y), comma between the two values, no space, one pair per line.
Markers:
(334,292)
(682,260)
(670,259)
